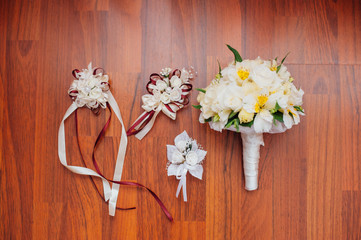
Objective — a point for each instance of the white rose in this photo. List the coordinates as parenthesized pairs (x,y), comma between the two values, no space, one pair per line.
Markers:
(165,98)
(177,157)
(192,158)
(263,76)
(181,145)
(175,94)
(175,81)
(161,85)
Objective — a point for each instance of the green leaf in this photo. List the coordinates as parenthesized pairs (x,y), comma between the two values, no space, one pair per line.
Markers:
(232,114)
(230,123)
(299,108)
(208,119)
(219,68)
(237,57)
(216,118)
(197,106)
(201,90)
(249,124)
(276,59)
(236,124)
(284,58)
(276,108)
(278,116)
(279,66)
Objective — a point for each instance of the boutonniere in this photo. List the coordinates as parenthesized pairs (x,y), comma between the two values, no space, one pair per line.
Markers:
(183,157)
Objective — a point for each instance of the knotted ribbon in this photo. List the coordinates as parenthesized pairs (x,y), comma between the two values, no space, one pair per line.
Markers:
(181,175)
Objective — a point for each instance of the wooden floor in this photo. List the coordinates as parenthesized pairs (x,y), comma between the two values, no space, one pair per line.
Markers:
(310,176)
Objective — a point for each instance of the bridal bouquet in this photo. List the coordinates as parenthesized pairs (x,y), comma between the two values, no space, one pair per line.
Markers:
(251,97)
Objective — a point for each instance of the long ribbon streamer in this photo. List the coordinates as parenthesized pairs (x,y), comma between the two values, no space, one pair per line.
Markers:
(117,182)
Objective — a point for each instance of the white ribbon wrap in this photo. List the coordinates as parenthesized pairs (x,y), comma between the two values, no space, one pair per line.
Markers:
(252,141)
(251,152)
(110,194)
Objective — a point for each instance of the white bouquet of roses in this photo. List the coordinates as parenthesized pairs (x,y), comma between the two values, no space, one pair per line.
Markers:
(251,97)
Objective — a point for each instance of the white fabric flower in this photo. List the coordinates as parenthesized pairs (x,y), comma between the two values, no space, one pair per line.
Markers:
(90,89)
(192,158)
(175,94)
(175,81)
(161,85)
(165,98)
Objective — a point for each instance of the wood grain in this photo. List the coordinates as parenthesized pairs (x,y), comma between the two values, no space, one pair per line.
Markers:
(310,176)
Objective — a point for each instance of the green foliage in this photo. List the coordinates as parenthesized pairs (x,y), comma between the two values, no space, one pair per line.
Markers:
(276,108)
(279,66)
(197,106)
(208,119)
(299,108)
(237,56)
(277,116)
(201,90)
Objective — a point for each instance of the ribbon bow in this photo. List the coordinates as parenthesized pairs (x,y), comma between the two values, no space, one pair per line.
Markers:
(186,156)
(167,92)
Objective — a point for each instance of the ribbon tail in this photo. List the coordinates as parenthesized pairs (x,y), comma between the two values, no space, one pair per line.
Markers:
(120,157)
(182,183)
(140,135)
(76,169)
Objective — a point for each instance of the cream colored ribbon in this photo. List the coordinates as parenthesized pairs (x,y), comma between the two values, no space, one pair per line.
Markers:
(110,194)
(161,107)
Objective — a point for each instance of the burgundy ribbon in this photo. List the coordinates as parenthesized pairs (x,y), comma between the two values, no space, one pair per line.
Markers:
(127,183)
(153,78)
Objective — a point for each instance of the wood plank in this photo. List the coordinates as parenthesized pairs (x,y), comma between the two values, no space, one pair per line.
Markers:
(310,176)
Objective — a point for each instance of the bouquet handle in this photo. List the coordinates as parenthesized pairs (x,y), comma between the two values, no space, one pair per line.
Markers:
(251,154)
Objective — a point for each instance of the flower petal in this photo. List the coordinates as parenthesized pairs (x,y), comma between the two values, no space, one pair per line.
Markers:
(170,150)
(287,120)
(201,154)
(197,171)
(173,169)
(181,137)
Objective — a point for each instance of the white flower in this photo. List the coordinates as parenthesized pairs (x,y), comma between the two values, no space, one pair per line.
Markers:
(165,98)
(175,81)
(192,158)
(161,85)
(263,76)
(249,103)
(263,121)
(150,102)
(175,94)
(165,72)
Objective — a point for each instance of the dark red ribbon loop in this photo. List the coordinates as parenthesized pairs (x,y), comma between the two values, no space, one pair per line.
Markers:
(75,73)
(98,70)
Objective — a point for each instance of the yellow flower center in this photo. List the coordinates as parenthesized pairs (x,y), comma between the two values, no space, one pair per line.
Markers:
(243,74)
(262,100)
(257,108)
(274,68)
